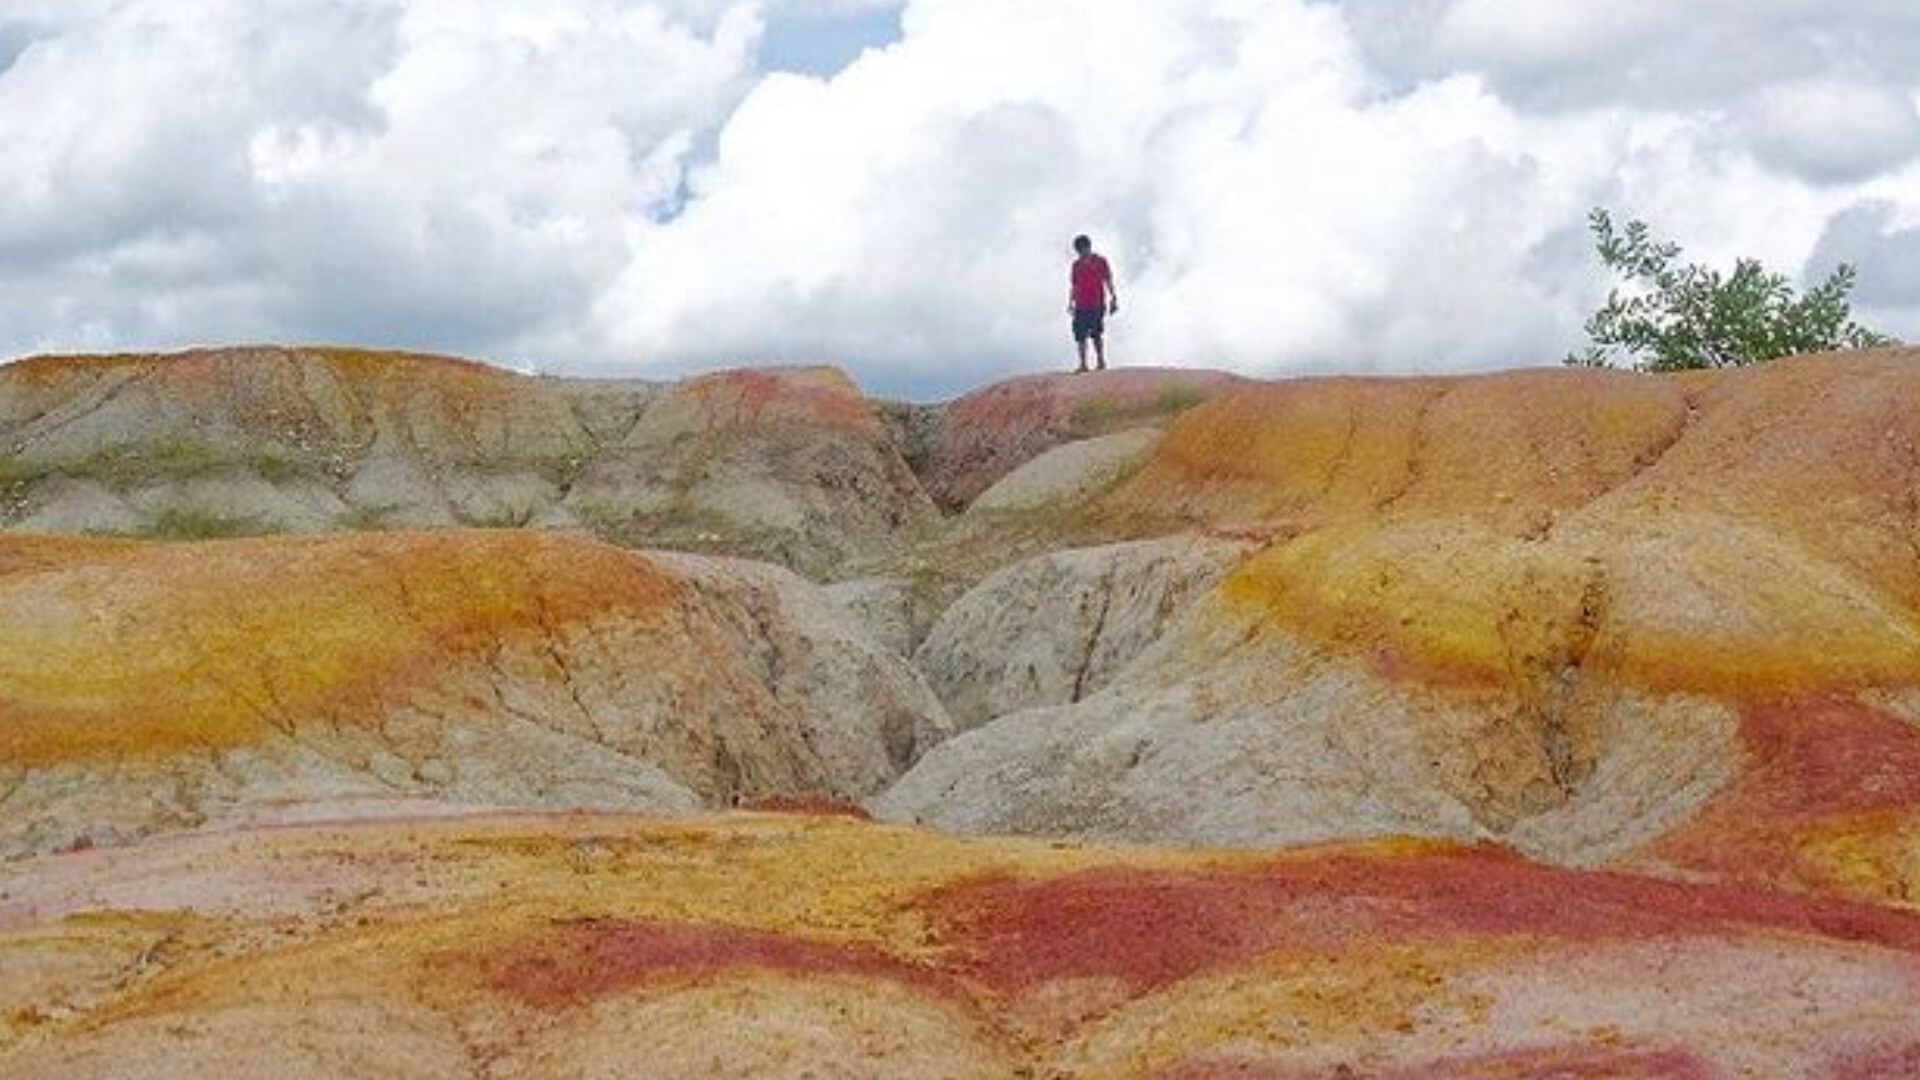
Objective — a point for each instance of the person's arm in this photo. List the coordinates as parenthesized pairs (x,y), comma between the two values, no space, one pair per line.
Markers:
(1113,293)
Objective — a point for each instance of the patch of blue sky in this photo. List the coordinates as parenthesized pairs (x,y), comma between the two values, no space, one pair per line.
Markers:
(14,40)
(822,43)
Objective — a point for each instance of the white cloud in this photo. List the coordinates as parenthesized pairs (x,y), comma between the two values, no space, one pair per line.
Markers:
(1547,36)
(430,171)
(613,185)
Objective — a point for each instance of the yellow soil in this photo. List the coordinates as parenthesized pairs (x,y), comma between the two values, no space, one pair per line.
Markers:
(1747,533)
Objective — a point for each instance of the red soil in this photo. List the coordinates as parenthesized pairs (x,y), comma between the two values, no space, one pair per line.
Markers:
(579,962)
(1815,758)
(1808,762)
(1150,929)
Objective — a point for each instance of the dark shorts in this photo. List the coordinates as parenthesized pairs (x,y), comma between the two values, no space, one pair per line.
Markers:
(1089,322)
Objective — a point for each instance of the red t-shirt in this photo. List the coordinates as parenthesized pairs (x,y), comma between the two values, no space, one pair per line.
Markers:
(1090,277)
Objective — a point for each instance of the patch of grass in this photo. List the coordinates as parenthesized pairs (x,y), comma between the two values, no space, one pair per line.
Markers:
(560,471)
(277,468)
(366,518)
(1096,412)
(681,520)
(505,517)
(15,471)
(173,457)
(687,527)
(199,523)
(602,520)
(1176,399)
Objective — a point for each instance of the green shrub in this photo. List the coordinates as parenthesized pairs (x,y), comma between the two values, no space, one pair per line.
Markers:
(1678,317)
(15,471)
(277,468)
(505,517)
(366,518)
(170,458)
(1177,398)
(1096,412)
(199,523)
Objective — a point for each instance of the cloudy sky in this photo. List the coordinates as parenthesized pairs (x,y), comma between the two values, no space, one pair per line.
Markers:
(646,187)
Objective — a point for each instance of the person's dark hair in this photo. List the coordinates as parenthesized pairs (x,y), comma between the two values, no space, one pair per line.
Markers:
(1082,245)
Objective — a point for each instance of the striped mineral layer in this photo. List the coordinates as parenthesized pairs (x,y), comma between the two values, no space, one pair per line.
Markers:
(1560,725)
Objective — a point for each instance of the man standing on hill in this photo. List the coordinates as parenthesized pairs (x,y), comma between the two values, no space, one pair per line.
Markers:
(1091,299)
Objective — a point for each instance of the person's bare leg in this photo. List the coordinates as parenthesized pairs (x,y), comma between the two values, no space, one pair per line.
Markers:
(1082,343)
(1100,353)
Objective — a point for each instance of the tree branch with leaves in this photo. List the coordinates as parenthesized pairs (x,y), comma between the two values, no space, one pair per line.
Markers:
(1675,317)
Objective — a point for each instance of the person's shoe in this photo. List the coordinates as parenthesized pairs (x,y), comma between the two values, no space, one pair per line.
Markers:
(1081,370)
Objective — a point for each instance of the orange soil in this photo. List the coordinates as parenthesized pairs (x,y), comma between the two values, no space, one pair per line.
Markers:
(214,645)
(1313,452)
(200,374)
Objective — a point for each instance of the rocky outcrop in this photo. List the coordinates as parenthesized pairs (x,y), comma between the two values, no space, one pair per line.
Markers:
(149,687)
(1057,629)
(791,465)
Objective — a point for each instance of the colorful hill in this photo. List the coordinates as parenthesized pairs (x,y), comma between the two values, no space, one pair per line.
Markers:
(1547,725)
